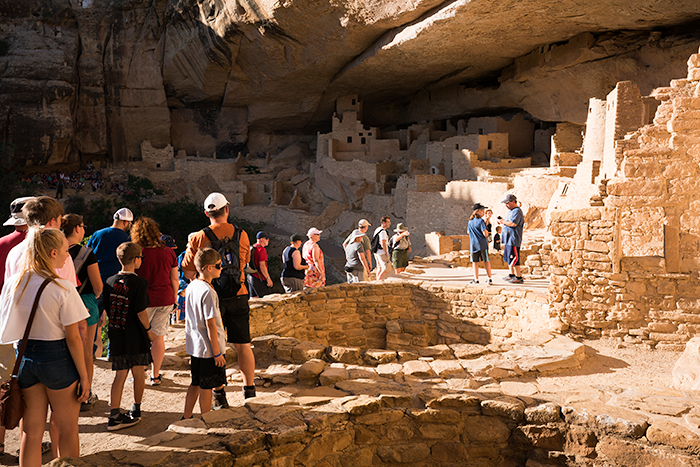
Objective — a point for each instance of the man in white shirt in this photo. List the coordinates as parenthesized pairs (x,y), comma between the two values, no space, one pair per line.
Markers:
(381,256)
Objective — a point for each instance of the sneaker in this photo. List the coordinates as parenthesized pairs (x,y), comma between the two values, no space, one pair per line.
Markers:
(87,405)
(490,282)
(135,413)
(248,391)
(516,280)
(474,282)
(121,421)
(219,401)
(508,278)
(157,380)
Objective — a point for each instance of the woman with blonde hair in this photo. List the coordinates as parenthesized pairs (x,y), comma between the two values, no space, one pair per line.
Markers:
(316,273)
(159,268)
(53,362)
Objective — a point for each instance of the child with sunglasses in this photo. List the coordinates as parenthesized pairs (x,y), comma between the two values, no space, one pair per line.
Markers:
(205,339)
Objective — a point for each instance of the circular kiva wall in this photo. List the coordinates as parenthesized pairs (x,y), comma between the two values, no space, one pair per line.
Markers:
(400,316)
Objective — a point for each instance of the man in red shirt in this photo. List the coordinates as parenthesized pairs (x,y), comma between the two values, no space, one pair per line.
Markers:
(260,282)
(8,242)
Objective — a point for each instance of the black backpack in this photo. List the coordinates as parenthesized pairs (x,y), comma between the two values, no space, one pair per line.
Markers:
(376,243)
(391,246)
(229,283)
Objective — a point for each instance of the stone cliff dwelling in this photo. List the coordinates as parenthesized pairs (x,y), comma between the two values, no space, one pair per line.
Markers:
(322,113)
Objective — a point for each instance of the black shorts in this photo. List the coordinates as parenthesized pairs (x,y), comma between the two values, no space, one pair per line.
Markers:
(511,255)
(205,373)
(481,255)
(235,313)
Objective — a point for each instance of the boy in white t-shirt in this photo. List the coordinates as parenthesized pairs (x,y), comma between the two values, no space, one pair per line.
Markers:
(205,339)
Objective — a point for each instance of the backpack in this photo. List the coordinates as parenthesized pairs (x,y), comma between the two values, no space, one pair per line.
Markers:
(229,283)
(391,246)
(376,243)
(250,265)
(78,263)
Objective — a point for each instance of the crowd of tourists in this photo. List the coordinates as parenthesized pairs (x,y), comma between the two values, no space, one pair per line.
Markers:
(88,179)
(129,278)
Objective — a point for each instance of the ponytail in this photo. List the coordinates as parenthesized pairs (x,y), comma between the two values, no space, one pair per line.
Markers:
(37,258)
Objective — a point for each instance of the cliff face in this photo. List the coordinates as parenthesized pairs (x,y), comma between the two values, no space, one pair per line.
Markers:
(85,79)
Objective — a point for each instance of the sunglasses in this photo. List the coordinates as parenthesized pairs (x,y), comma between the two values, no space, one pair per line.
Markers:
(217,265)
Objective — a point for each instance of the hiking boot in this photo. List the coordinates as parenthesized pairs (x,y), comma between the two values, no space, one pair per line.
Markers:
(248,391)
(122,420)
(87,405)
(219,401)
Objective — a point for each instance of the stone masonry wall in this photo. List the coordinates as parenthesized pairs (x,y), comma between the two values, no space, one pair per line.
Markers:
(630,268)
(398,316)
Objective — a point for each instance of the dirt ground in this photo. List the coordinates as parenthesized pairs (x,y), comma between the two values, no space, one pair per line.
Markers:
(610,368)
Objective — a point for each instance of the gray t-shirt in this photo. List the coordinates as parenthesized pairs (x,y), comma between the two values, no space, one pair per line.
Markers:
(353,252)
(201,304)
(366,244)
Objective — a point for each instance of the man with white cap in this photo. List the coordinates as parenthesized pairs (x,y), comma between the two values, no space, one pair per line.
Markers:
(104,242)
(512,238)
(361,230)
(234,310)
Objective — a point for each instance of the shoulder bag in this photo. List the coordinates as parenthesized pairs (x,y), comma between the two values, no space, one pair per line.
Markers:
(11,400)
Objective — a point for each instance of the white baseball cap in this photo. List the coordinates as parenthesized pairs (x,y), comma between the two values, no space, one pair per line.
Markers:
(124,214)
(16,215)
(363,223)
(313,231)
(214,202)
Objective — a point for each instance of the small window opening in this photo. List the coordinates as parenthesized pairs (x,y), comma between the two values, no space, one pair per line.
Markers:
(349,139)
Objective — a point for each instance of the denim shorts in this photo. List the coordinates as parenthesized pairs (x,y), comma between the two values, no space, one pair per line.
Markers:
(48,363)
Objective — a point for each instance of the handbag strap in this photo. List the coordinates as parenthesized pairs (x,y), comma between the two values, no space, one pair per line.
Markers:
(23,346)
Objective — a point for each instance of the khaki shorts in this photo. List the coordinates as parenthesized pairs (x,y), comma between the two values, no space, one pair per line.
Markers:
(159,317)
(383,263)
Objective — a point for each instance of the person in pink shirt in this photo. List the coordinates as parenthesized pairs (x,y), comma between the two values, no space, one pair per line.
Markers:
(159,268)
(43,211)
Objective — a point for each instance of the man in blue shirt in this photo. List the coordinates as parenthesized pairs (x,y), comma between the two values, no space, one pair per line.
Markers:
(512,238)
(104,244)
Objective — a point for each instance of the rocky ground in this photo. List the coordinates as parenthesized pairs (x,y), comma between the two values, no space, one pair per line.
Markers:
(600,376)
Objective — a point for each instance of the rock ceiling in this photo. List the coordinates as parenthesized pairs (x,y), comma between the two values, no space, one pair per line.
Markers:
(115,71)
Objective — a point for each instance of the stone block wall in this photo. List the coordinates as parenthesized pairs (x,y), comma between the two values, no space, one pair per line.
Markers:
(630,268)
(399,315)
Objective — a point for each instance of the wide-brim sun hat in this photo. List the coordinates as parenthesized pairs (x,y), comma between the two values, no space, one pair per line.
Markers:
(400,228)
(16,215)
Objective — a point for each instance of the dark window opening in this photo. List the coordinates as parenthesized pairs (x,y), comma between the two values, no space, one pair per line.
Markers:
(363,141)
(353,102)
(481,131)
(456,146)
(490,144)
(349,139)
(157,166)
